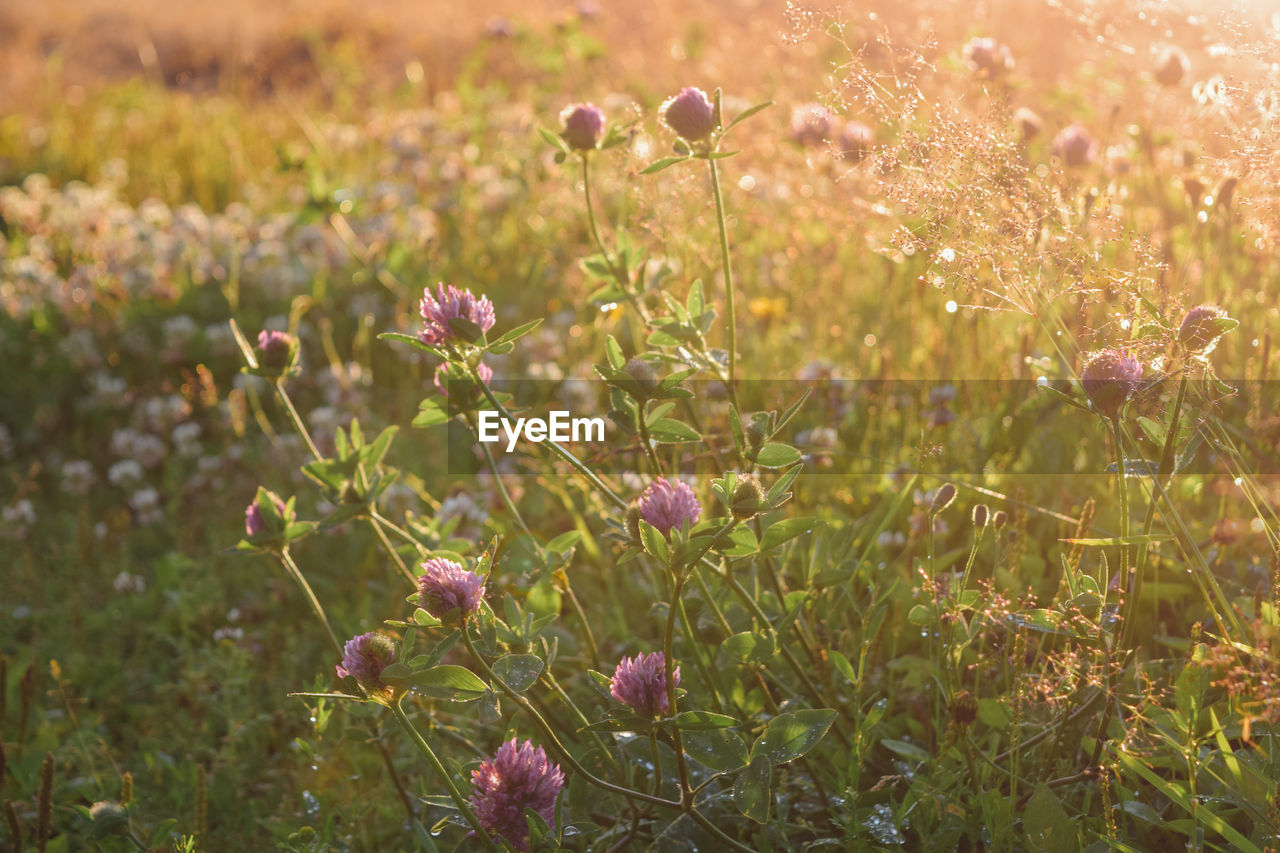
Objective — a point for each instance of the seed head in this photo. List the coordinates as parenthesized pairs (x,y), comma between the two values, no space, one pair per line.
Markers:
(690,114)
(963,708)
(1110,377)
(445,305)
(669,506)
(446,589)
(943,498)
(516,778)
(640,683)
(364,658)
(583,126)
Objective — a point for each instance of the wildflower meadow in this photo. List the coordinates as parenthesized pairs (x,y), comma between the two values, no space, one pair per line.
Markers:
(741,426)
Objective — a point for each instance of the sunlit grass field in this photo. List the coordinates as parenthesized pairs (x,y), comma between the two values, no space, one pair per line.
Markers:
(923,462)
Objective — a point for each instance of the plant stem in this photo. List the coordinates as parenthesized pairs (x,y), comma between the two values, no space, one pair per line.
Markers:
(297,419)
(550,734)
(293,570)
(728,281)
(458,800)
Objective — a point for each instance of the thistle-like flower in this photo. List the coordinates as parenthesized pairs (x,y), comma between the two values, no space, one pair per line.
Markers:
(364,657)
(516,778)
(446,588)
(690,114)
(640,683)
(668,505)
(987,57)
(583,125)
(1110,377)
(445,305)
(1074,146)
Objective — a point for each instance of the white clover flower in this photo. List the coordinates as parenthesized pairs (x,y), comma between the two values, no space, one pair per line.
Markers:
(145,504)
(125,474)
(77,477)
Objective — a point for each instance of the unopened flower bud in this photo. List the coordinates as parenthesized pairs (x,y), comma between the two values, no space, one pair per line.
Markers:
(1110,377)
(980,516)
(963,708)
(1000,519)
(633,519)
(1202,327)
(642,372)
(942,499)
(583,125)
(756,433)
(276,350)
(1171,66)
(690,114)
(748,498)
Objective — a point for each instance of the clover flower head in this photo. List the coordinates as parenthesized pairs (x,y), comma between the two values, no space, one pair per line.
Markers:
(987,57)
(640,683)
(450,303)
(1074,146)
(445,587)
(517,777)
(667,505)
(364,657)
(583,126)
(690,114)
(1110,376)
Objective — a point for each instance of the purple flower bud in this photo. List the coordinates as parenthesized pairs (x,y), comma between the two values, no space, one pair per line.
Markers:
(640,683)
(1201,329)
(452,304)
(441,378)
(987,57)
(1110,377)
(364,658)
(1029,124)
(255,524)
(690,114)
(856,140)
(518,777)
(1074,146)
(812,124)
(583,125)
(277,349)
(446,588)
(668,506)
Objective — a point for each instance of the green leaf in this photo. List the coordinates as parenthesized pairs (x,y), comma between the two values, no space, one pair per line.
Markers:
(425,619)
(785,530)
(563,543)
(654,542)
(672,431)
(613,351)
(748,113)
(721,750)
(431,412)
(789,736)
(518,332)
(695,721)
(412,341)
(747,647)
(905,748)
(775,455)
(448,681)
(659,165)
(1047,824)
(519,672)
(752,791)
